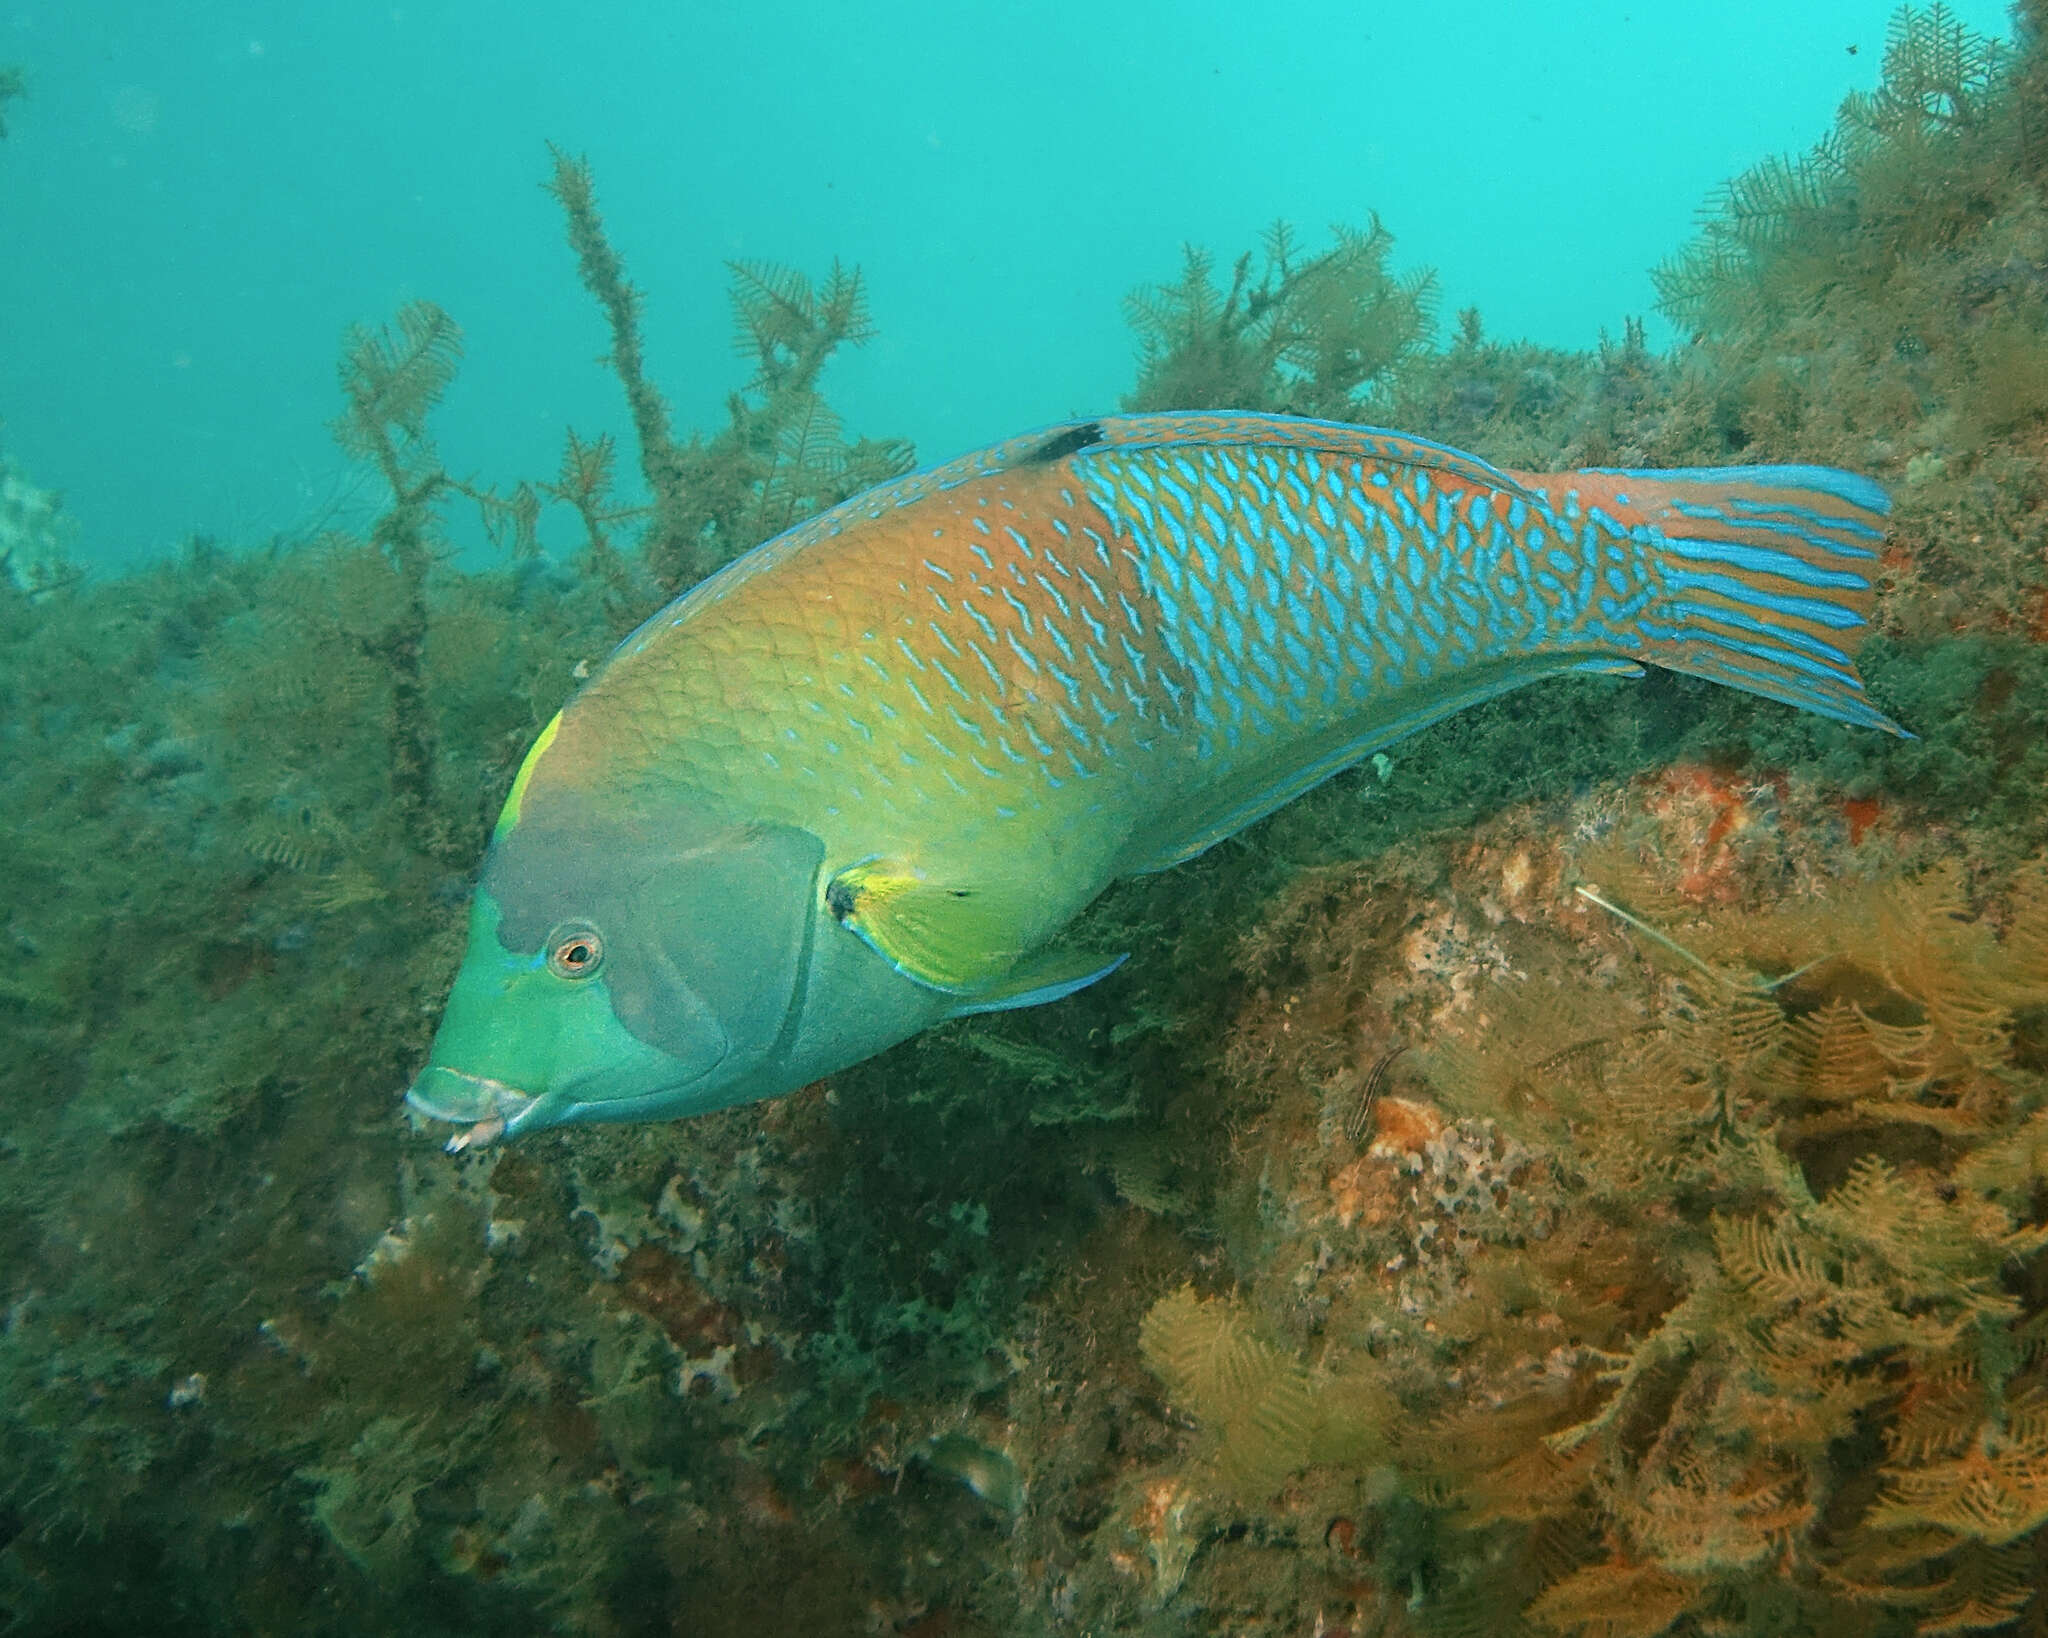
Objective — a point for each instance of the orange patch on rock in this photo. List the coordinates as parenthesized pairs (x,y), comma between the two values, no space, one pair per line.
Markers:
(1706,812)
(1862,812)
(1404,1127)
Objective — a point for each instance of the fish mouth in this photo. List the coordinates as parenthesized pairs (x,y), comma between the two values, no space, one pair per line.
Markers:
(485,1108)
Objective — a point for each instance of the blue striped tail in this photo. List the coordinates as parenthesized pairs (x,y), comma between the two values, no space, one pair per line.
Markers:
(1769,575)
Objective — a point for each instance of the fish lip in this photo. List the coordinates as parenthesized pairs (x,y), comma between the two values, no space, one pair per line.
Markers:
(485,1107)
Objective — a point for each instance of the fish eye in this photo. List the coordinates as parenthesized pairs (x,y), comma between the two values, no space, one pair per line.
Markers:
(575,951)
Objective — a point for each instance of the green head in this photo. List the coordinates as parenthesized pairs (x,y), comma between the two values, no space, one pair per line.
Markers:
(638,961)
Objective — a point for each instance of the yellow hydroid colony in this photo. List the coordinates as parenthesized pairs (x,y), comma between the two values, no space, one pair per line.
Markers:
(1710,1234)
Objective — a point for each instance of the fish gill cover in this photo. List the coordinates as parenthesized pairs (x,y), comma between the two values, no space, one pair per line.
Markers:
(1583,1174)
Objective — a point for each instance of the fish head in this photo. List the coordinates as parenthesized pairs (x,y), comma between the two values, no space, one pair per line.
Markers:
(622,969)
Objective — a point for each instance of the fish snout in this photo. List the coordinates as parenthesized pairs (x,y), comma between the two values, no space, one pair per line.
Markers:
(485,1108)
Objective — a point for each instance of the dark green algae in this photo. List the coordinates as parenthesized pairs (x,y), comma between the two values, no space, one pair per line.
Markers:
(271,1363)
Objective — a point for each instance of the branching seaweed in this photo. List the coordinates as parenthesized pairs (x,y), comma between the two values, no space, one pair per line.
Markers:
(1312,335)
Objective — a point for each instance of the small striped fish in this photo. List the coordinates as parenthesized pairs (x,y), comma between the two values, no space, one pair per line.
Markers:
(872,769)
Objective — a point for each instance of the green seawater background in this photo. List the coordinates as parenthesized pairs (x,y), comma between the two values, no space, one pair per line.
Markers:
(1400,1242)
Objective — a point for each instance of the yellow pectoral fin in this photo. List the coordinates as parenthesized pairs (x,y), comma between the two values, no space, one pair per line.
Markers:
(947,935)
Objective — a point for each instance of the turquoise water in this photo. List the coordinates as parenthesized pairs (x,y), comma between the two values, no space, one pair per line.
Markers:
(199,199)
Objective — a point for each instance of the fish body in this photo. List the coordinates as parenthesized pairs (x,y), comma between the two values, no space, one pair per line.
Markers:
(860,779)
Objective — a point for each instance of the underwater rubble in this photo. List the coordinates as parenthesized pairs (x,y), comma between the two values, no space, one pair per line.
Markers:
(1583,1172)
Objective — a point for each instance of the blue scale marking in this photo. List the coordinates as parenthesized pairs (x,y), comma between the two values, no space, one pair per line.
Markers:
(1023,543)
(1059,641)
(1022,653)
(1017,603)
(988,627)
(987,665)
(1296,467)
(1297,654)
(1355,541)
(981,523)
(1059,602)
(1133,502)
(1279,553)
(1176,492)
(1290,520)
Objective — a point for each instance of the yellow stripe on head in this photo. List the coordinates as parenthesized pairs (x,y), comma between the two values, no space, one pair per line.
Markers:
(508,816)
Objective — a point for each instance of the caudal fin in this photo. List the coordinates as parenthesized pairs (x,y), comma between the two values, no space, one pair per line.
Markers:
(1769,574)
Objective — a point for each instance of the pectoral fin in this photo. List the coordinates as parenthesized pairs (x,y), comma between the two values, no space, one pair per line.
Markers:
(1051,978)
(948,935)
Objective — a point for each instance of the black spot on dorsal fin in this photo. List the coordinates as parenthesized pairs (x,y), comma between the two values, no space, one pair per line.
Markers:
(1060,445)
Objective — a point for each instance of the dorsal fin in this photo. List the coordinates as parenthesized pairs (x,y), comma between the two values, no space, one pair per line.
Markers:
(1239,430)
(1233,429)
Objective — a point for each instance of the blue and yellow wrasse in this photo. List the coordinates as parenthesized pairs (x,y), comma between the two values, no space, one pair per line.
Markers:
(859,780)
